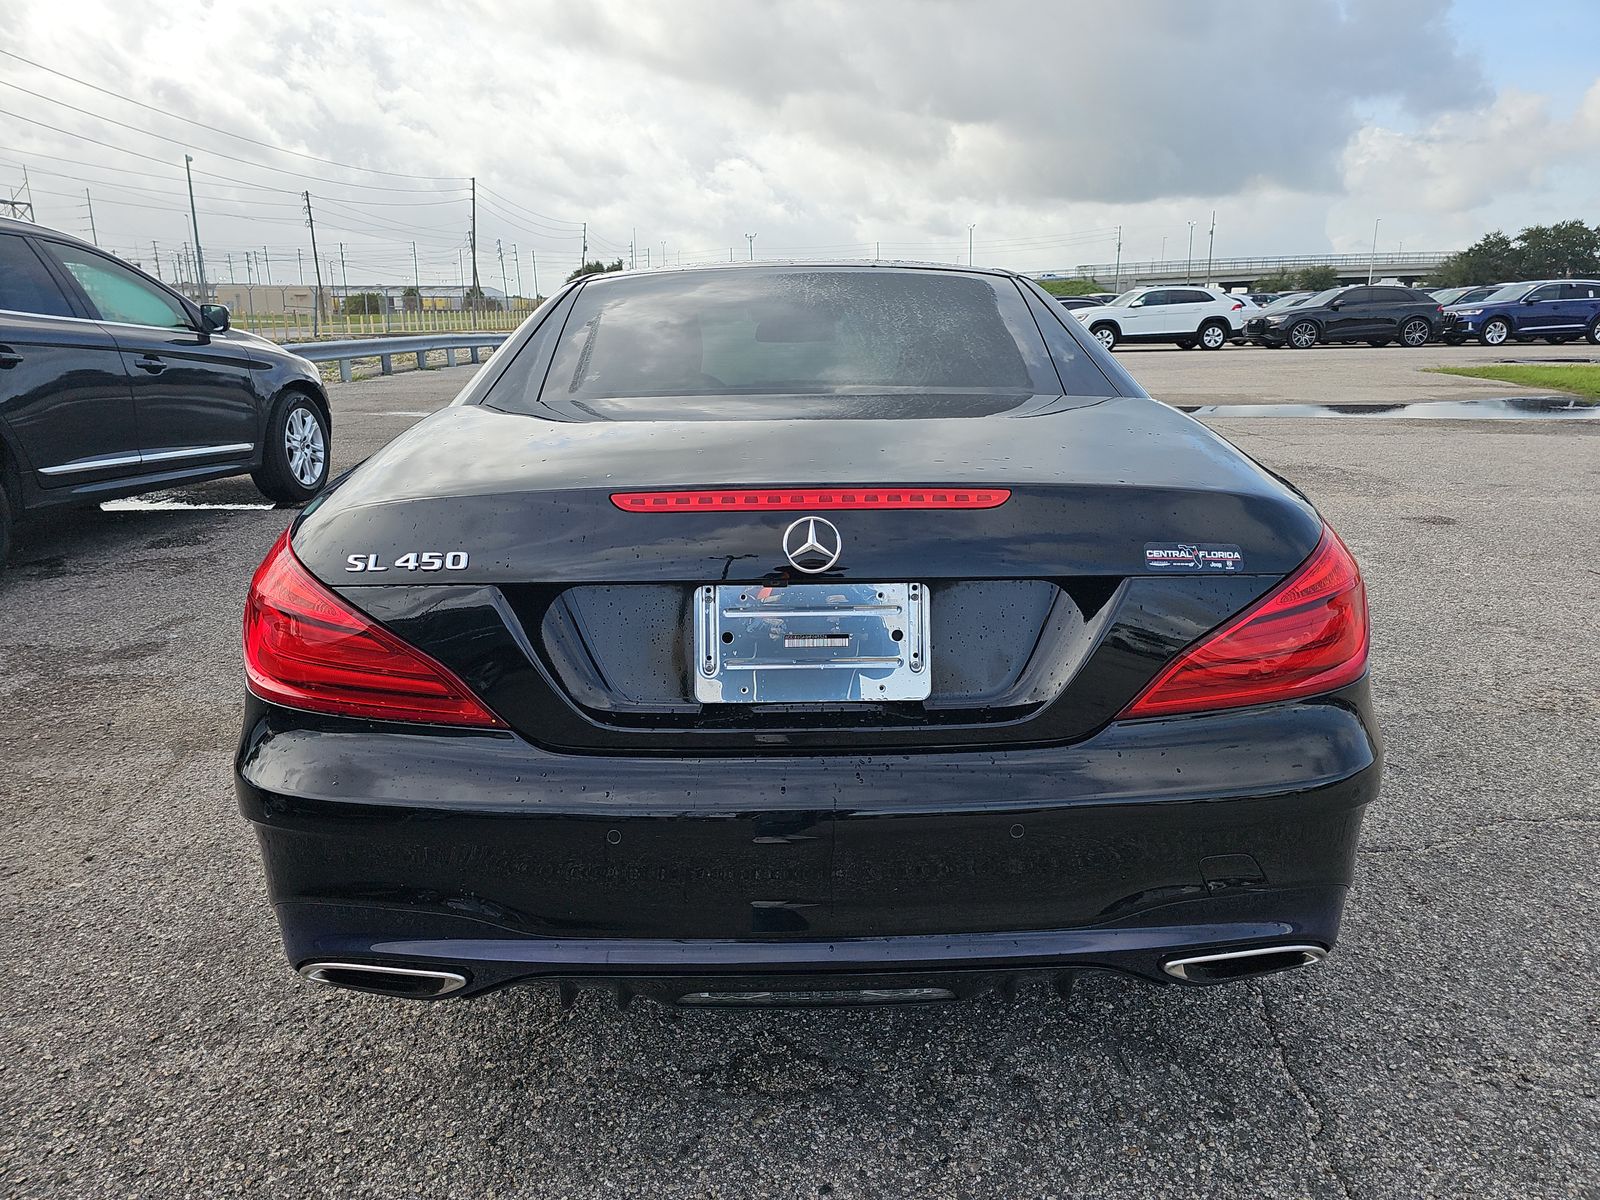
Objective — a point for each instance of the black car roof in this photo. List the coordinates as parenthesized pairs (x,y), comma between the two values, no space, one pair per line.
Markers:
(12,225)
(861,264)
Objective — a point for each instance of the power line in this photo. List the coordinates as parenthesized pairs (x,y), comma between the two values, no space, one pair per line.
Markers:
(536,216)
(214,129)
(374,187)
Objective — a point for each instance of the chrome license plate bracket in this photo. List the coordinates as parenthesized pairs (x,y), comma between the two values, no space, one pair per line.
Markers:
(811,643)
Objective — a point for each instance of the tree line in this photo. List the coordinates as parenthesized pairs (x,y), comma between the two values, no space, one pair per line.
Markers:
(1561,251)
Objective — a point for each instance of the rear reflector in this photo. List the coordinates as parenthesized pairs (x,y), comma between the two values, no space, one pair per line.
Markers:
(776,499)
(306,648)
(1307,636)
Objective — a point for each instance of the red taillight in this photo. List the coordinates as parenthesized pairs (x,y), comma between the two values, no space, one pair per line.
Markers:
(305,648)
(780,499)
(1238,307)
(1307,636)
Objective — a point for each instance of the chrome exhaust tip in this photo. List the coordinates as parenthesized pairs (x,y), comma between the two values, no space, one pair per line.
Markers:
(1227,965)
(410,982)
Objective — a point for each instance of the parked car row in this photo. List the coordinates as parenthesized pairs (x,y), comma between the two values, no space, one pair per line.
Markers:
(1558,310)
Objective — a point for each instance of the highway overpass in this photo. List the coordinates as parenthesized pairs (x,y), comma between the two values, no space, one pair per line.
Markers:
(1241,273)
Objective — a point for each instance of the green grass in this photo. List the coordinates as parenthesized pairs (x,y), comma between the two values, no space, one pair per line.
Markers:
(1583,380)
(1070,287)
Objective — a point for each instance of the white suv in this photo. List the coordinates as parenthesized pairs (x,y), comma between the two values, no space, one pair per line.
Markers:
(1187,315)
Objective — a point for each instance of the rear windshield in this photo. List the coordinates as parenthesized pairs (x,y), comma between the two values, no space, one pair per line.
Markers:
(1509,292)
(788,332)
(1283,302)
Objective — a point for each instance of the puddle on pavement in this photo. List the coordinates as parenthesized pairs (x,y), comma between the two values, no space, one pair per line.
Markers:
(1518,408)
(147,504)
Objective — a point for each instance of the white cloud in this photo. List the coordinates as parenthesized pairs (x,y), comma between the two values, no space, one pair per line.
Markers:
(816,125)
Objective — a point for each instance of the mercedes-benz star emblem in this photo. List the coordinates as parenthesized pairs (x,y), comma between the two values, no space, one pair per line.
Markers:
(812,544)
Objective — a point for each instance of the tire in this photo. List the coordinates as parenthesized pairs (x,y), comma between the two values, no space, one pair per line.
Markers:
(1213,335)
(1107,335)
(294,465)
(1496,332)
(1303,335)
(1593,332)
(1415,333)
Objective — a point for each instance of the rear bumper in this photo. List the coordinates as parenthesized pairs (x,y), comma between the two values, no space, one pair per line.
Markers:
(484,856)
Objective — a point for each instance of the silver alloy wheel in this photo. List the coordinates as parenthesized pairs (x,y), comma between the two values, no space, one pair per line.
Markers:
(1415,333)
(1303,335)
(1107,336)
(302,439)
(1496,332)
(1212,337)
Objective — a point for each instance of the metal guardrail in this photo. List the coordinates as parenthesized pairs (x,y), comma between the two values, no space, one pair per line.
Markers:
(384,349)
(1259,266)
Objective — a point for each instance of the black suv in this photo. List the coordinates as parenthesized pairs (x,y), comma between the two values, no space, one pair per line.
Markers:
(111,384)
(1377,315)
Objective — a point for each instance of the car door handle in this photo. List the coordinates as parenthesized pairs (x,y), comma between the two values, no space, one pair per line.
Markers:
(149,362)
(8,358)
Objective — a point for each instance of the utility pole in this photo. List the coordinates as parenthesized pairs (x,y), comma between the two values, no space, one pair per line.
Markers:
(583,257)
(316,264)
(16,207)
(1372,263)
(1211,245)
(416,276)
(1116,286)
(533,256)
(1188,263)
(969,244)
(194,220)
(518,262)
(877,250)
(267,260)
(300,265)
(472,237)
(505,287)
(344,306)
(232,278)
(633,242)
(751,238)
(155,256)
(93,237)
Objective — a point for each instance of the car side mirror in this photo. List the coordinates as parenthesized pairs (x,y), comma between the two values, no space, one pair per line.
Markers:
(214,318)
(1139,303)
(1335,305)
(1530,299)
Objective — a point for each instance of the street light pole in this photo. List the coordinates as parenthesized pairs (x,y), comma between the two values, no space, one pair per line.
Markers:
(1211,245)
(1188,263)
(199,257)
(1372,263)
(1116,286)
(969,245)
(751,238)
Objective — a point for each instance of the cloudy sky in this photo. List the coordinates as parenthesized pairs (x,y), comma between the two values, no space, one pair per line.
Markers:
(824,128)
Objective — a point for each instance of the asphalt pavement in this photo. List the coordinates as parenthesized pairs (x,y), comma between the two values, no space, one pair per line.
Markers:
(154,1043)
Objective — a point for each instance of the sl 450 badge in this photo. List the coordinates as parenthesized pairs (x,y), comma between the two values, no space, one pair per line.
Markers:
(412,560)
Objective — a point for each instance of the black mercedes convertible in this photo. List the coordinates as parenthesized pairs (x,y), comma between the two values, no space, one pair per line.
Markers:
(805,634)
